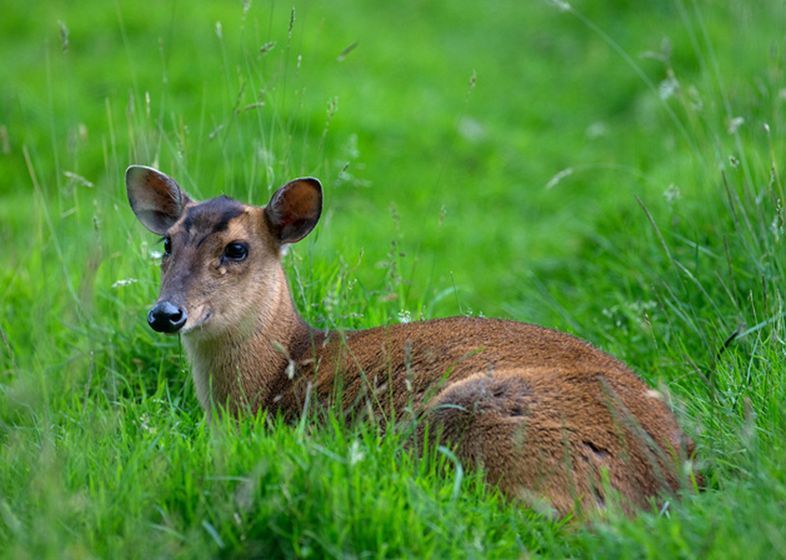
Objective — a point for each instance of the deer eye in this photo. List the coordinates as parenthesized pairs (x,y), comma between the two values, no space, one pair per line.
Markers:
(167,246)
(236,251)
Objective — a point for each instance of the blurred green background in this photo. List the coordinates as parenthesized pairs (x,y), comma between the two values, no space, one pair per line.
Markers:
(610,169)
(455,116)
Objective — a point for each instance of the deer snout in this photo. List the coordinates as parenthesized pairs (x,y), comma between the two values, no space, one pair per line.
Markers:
(167,317)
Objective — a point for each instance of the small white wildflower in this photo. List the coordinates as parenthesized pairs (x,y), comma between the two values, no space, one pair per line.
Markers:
(471,129)
(144,423)
(351,147)
(641,306)
(596,130)
(672,193)
(266,156)
(330,302)
(355,453)
(404,316)
(668,87)
(694,96)
(124,282)
(776,228)
(734,124)
(614,314)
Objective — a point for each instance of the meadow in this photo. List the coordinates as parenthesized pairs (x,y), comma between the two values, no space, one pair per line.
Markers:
(608,169)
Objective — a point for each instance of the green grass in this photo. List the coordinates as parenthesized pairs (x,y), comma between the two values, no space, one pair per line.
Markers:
(605,171)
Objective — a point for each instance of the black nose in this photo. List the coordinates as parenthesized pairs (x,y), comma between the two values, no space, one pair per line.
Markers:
(167,317)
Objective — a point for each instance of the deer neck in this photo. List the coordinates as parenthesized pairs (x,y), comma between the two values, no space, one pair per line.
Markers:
(246,367)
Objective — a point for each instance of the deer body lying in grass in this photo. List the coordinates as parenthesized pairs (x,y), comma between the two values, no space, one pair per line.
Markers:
(549,417)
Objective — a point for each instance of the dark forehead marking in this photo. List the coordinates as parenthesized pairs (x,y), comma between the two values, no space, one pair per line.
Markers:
(212,215)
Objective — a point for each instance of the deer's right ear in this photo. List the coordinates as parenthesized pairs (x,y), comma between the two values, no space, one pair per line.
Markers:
(156,199)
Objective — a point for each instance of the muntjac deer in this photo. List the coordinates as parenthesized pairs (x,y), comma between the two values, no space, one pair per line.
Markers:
(550,418)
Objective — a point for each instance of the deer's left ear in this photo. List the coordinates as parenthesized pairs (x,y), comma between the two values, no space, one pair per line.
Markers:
(155,198)
(294,209)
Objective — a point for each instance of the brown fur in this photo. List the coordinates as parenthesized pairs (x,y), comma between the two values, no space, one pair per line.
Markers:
(550,418)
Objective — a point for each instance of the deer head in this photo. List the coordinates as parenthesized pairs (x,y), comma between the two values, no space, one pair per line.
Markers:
(221,267)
